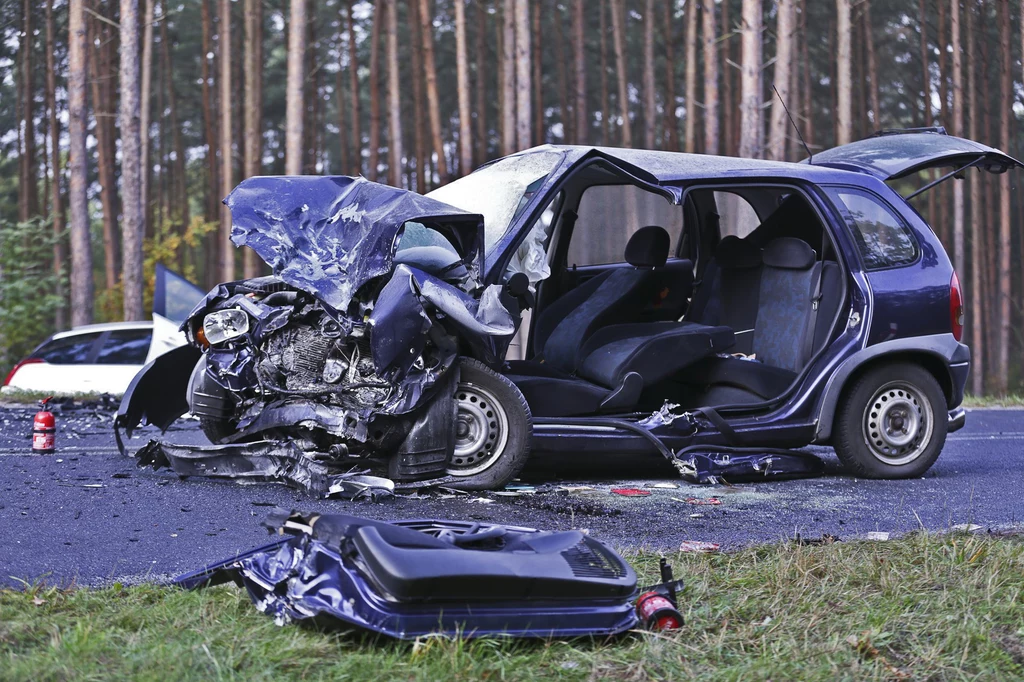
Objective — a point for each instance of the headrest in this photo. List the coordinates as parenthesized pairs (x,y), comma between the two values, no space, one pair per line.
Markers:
(789,253)
(734,253)
(648,247)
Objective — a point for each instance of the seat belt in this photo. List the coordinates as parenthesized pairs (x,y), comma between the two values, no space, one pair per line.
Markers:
(812,321)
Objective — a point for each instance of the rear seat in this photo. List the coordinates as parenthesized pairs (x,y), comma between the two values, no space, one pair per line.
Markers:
(730,291)
(787,330)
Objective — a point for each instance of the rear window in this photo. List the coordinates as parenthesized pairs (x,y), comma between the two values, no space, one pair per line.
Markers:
(69,350)
(125,347)
(882,237)
(610,214)
(737,216)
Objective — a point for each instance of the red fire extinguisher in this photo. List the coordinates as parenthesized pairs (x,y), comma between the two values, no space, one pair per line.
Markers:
(656,607)
(44,430)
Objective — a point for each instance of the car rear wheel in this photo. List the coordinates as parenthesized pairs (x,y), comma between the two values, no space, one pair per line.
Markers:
(891,423)
(493,428)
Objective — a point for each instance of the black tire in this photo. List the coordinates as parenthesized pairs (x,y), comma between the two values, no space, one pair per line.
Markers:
(216,430)
(493,429)
(891,422)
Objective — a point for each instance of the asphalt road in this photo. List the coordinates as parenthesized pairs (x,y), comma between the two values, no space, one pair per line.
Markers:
(88,515)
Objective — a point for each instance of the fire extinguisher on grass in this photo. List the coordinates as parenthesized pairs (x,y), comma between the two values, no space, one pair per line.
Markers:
(44,430)
(657,606)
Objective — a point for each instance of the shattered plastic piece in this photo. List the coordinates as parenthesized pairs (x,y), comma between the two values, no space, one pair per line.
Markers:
(662,417)
(700,500)
(631,492)
(482,500)
(966,527)
(408,579)
(876,535)
(666,486)
(698,547)
(746,464)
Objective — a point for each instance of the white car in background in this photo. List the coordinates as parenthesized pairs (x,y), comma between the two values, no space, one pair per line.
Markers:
(104,358)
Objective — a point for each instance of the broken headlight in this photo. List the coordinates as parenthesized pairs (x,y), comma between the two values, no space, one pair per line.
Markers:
(224,325)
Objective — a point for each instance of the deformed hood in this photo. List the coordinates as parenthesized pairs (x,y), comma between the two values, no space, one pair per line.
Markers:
(329,235)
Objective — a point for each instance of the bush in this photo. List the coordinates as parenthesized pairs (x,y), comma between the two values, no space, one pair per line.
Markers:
(29,289)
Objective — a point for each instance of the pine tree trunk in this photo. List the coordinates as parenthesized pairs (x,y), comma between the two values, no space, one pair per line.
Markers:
(179,195)
(29,189)
(78,170)
(523,89)
(209,117)
(783,78)
(618,41)
(606,104)
(650,101)
(808,100)
(145,122)
(728,108)
(671,134)
(480,84)
(108,184)
(462,81)
(353,84)
(710,50)
(131,163)
(975,317)
(1006,96)
(395,154)
(433,106)
(751,124)
(958,130)
(537,81)
(419,114)
(579,106)
(227,250)
(941,39)
(926,80)
(57,210)
(564,115)
(869,35)
(690,134)
(253,135)
(844,83)
(294,104)
(508,77)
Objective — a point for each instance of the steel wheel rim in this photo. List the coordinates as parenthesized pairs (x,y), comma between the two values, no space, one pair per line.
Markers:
(481,430)
(898,423)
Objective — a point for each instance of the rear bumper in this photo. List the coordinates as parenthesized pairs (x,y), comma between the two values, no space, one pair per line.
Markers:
(957,419)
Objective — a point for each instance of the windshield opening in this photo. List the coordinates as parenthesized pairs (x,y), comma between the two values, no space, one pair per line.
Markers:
(501,191)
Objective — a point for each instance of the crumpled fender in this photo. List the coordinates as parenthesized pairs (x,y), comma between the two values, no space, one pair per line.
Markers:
(158,393)
(400,322)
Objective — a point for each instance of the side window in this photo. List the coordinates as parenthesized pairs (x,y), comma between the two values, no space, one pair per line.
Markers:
(609,214)
(882,237)
(70,350)
(125,347)
(738,217)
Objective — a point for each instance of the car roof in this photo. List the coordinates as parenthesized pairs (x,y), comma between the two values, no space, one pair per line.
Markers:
(669,167)
(104,327)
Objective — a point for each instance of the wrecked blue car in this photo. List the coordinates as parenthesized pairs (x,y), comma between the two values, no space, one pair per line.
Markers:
(576,300)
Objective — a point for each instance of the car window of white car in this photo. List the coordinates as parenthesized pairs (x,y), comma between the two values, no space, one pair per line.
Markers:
(125,347)
(68,350)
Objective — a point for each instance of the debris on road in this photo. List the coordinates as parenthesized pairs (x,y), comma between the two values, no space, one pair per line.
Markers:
(876,535)
(699,547)
(408,579)
(702,501)
(631,492)
(734,465)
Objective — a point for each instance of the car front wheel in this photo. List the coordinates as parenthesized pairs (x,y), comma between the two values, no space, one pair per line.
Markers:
(891,423)
(493,428)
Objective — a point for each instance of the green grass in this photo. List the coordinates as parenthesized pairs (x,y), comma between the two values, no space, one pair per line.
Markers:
(922,607)
(22,397)
(1011,400)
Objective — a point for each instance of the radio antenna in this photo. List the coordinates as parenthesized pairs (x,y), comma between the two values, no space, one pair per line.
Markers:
(810,156)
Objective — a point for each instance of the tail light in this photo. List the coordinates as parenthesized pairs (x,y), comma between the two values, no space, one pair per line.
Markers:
(14,370)
(956,307)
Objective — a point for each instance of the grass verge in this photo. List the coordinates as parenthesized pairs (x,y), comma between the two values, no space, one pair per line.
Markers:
(921,607)
(1011,400)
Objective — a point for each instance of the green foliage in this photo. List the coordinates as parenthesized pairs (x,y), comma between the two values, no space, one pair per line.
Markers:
(29,289)
(923,607)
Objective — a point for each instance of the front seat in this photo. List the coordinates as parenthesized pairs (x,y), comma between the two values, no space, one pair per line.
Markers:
(614,296)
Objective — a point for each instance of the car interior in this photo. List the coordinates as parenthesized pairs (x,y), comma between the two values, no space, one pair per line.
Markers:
(722,299)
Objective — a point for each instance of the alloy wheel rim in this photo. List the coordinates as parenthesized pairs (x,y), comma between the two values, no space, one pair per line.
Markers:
(898,423)
(481,430)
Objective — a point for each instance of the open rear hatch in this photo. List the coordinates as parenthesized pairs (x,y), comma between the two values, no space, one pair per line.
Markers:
(893,154)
